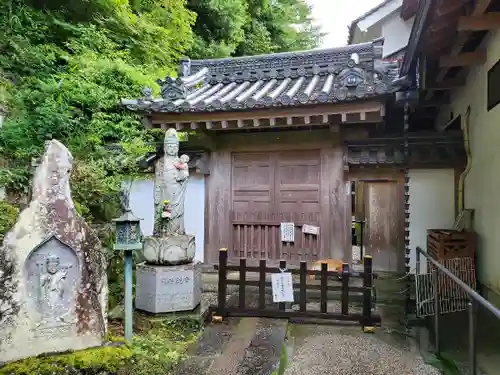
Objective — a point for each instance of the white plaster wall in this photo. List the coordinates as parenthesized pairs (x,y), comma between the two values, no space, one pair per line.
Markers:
(482,184)
(142,205)
(395,32)
(194,218)
(432,206)
(386,23)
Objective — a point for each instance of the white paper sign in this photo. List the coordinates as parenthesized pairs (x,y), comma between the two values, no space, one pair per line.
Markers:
(287,232)
(310,229)
(282,287)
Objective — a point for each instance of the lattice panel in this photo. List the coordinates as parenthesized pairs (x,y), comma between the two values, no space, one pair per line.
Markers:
(452,297)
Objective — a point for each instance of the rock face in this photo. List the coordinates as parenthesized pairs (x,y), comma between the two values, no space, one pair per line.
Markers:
(53,296)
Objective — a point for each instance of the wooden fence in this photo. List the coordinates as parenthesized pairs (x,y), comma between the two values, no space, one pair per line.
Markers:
(367,319)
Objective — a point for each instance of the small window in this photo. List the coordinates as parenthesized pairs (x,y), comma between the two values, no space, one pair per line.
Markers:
(493,86)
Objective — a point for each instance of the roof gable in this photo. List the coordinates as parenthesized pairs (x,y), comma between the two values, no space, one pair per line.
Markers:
(275,80)
(373,16)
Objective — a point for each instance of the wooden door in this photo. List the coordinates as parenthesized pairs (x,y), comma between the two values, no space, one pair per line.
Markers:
(274,187)
(384,225)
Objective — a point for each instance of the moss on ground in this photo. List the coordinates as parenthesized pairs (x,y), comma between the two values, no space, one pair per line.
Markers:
(8,217)
(108,359)
(155,350)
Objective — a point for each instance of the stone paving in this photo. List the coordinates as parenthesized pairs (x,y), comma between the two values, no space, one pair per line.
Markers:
(331,350)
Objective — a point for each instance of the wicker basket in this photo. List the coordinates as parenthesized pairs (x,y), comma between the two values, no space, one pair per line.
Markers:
(444,244)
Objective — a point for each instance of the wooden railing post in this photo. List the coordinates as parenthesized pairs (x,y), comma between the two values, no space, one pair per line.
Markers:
(367,323)
(222,287)
(303,287)
(281,305)
(324,288)
(345,289)
(243,279)
(262,284)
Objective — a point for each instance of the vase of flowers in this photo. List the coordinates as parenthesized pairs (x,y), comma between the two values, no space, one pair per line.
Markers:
(163,216)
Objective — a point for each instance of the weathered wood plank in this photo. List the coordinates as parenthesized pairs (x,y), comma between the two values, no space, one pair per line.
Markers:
(218,202)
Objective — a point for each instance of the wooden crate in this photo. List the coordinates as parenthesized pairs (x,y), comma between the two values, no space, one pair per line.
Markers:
(444,244)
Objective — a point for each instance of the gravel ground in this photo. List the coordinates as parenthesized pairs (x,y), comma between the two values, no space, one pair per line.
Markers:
(347,351)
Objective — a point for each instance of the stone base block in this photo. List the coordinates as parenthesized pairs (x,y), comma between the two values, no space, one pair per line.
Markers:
(163,289)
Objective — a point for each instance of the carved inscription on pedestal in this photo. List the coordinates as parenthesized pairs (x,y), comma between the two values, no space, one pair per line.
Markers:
(52,282)
(162,289)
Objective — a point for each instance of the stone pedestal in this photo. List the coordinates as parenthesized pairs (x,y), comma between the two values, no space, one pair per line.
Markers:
(169,250)
(163,289)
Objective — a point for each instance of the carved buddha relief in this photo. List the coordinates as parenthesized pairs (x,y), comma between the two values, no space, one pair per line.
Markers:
(52,280)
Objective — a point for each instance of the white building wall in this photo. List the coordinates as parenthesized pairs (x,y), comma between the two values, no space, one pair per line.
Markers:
(142,205)
(194,217)
(483,181)
(395,32)
(387,23)
(432,206)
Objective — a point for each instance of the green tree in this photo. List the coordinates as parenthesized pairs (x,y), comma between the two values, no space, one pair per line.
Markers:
(248,27)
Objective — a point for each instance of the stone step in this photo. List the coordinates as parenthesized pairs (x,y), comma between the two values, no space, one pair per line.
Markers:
(228,362)
(246,346)
(263,355)
(214,338)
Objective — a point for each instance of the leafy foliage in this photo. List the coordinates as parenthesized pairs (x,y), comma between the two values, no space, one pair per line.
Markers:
(8,217)
(65,65)
(249,27)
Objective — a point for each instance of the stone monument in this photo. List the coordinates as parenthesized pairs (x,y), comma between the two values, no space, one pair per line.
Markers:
(169,280)
(53,292)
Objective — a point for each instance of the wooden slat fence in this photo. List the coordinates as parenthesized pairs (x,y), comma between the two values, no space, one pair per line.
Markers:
(365,319)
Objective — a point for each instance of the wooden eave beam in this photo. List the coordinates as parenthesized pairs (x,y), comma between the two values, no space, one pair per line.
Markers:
(447,84)
(434,103)
(487,21)
(361,112)
(463,59)
(317,110)
(480,7)
(450,8)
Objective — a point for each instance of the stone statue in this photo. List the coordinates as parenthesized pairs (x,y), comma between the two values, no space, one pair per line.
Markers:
(52,285)
(172,188)
(170,245)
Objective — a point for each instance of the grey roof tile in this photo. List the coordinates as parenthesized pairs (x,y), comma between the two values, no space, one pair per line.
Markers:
(428,150)
(275,80)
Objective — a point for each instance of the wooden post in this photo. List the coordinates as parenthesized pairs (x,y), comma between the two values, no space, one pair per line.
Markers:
(129,259)
(281,305)
(324,287)
(303,287)
(222,282)
(262,284)
(367,322)
(243,276)
(345,289)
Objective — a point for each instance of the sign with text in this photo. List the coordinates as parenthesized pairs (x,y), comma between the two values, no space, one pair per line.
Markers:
(310,229)
(287,232)
(282,287)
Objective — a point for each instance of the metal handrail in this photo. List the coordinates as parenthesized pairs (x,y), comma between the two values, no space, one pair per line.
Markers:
(471,292)
(475,298)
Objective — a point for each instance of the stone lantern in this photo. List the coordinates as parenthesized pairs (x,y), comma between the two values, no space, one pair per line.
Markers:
(128,240)
(128,232)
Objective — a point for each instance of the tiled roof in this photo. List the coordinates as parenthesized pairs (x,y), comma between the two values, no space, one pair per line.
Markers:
(421,152)
(275,80)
